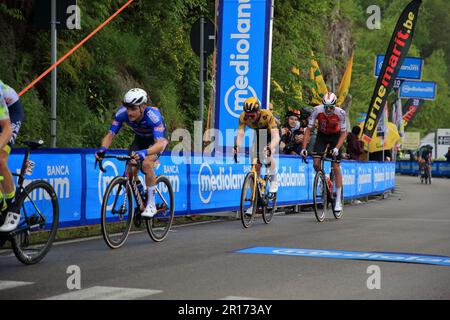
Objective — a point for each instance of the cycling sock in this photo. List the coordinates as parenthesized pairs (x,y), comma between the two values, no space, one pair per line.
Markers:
(338,194)
(151,195)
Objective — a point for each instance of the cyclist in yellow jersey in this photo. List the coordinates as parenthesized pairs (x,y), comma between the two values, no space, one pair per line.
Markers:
(266,139)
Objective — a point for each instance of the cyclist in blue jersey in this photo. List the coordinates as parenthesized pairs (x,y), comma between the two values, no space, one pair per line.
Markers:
(149,142)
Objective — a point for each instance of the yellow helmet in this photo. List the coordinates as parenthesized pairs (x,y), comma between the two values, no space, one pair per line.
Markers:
(252,104)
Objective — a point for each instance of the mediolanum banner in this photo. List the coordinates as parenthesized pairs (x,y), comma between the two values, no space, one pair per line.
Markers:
(398,48)
(244,41)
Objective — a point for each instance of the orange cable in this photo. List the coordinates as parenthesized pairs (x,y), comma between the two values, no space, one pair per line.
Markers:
(74,48)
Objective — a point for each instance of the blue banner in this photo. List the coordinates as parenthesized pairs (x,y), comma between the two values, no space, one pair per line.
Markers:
(351,255)
(215,186)
(97,182)
(411,68)
(349,178)
(293,181)
(418,89)
(243,59)
(200,186)
(365,178)
(63,172)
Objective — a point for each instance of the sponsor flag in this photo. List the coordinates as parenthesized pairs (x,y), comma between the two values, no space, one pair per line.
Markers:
(319,86)
(395,54)
(344,86)
(410,109)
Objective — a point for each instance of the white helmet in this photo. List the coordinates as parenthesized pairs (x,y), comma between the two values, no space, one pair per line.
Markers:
(329,99)
(134,97)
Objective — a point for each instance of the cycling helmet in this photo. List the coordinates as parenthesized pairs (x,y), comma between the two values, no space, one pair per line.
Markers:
(305,113)
(252,104)
(329,99)
(135,97)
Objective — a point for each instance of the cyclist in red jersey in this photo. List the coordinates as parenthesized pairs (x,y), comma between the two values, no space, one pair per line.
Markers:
(331,131)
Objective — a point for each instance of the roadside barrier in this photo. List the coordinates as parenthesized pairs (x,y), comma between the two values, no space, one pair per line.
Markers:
(438,168)
(200,185)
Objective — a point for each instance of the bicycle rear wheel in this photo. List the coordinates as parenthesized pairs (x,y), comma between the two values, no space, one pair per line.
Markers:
(39,211)
(270,204)
(249,200)
(320,197)
(117,212)
(159,226)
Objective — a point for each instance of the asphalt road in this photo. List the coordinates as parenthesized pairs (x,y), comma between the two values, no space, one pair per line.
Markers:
(199,261)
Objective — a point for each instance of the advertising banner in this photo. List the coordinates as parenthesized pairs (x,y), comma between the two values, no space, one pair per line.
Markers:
(418,89)
(410,109)
(243,59)
(365,178)
(215,186)
(349,179)
(398,48)
(97,182)
(411,68)
(63,172)
(293,181)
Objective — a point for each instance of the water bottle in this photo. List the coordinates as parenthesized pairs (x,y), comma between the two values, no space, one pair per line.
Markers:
(141,189)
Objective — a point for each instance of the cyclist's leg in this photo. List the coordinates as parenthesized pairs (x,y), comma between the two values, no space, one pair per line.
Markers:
(319,148)
(7,185)
(337,172)
(16,115)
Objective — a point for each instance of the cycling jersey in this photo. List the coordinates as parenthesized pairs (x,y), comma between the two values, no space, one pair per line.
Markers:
(9,95)
(328,125)
(151,126)
(4,114)
(266,121)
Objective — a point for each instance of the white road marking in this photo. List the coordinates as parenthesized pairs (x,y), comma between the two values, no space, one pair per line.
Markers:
(13,284)
(105,293)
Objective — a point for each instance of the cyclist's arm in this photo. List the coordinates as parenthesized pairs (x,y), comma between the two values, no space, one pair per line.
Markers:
(107,140)
(275,138)
(241,131)
(306,137)
(6,133)
(341,139)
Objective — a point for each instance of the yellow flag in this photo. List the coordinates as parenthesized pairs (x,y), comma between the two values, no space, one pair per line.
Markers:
(295,71)
(344,86)
(319,88)
(277,86)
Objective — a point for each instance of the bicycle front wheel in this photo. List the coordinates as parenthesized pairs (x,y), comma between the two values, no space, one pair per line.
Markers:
(39,211)
(117,212)
(270,204)
(159,226)
(249,200)
(320,197)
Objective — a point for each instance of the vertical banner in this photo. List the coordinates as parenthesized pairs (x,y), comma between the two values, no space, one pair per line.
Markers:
(243,57)
(398,48)
(410,109)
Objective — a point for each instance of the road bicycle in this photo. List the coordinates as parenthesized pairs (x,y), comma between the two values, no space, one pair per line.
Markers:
(425,173)
(324,190)
(255,196)
(37,203)
(117,206)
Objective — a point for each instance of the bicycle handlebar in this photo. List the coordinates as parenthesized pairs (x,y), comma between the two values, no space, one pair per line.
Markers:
(120,158)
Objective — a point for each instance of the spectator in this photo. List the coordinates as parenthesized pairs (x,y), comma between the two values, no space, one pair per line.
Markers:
(305,113)
(291,134)
(355,147)
(447,155)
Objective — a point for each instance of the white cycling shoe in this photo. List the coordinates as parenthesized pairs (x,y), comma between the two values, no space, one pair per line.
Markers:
(11,222)
(273,188)
(149,211)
